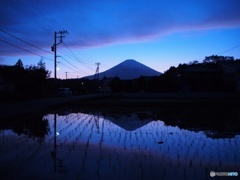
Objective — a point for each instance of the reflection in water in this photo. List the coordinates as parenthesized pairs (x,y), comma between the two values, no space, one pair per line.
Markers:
(91,146)
(36,128)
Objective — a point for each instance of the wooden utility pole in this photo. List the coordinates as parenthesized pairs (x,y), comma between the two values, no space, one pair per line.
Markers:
(54,48)
(66,74)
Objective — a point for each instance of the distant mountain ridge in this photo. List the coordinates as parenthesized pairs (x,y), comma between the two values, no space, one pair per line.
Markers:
(128,69)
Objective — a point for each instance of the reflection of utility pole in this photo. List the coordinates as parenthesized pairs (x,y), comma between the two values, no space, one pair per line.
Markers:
(97,71)
(96,119)
(54,48)
(66,74)
(54,152)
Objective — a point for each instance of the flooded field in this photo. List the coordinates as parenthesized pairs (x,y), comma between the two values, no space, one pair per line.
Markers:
(80,145)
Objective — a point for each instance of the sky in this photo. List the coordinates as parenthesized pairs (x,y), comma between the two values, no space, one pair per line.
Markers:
(157,33)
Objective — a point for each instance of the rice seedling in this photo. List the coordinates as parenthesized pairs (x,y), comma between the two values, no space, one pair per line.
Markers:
(113,146)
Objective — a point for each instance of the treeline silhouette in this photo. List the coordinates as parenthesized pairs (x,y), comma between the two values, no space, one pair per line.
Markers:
(213,74)
(26,81)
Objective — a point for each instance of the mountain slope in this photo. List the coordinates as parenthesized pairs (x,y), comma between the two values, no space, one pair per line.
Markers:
(128,69)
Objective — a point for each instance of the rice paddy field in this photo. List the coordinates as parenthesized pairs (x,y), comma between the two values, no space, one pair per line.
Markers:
(80,145)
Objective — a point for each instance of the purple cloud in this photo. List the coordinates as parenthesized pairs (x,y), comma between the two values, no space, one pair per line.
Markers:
(97,23)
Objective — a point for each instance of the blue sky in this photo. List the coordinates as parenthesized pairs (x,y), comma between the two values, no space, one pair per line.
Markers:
(156,33)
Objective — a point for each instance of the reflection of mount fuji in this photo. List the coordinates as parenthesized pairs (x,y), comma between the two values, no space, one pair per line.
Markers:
(215,122)
(128,69)
(129,122)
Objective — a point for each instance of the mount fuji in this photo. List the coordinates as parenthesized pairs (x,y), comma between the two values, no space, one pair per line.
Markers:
(128,69)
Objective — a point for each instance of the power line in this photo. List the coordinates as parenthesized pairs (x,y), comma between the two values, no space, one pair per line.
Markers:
(73,42)
(70,68)
(36,54)
(73,65)
(25,10)
(221,52)
(25,49)
(25,41)
(73,56)
(41,10)
(229,49)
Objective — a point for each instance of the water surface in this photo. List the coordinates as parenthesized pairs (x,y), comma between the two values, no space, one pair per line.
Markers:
(92,146)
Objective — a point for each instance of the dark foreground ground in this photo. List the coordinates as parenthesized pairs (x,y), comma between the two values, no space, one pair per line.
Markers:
(164,99)
(11,110)
(21,109)
(171,103)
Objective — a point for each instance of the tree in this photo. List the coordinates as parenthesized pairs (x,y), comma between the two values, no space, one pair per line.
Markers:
(216,59)
(115,84)
(38,74)
(193,62)
(141,81)
(19,64)
(19,72)
(41,66)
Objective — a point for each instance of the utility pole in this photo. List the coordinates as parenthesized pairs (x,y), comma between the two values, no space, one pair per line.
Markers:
(59,35)
(66,74)
(97,71)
